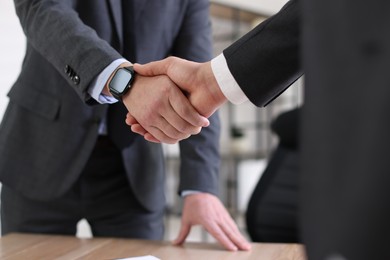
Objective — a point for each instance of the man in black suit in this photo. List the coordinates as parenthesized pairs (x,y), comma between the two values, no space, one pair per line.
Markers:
(65,151)
(345,133)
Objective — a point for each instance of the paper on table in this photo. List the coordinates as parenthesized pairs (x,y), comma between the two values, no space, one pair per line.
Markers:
(146,257)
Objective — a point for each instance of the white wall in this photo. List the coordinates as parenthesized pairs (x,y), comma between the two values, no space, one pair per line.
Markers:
(12,47)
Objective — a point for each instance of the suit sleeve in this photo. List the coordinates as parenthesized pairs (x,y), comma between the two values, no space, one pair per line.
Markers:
(266,61)
(55,31)
(200,159)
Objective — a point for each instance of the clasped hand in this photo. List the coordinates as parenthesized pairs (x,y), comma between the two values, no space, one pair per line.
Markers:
(171,99)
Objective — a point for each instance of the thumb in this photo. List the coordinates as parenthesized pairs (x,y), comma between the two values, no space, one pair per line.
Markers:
(184,231)
(152,68)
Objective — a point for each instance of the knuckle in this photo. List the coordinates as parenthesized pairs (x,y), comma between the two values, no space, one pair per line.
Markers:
(186,129)
(170,59)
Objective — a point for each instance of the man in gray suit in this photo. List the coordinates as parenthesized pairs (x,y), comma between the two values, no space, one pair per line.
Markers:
(65,151)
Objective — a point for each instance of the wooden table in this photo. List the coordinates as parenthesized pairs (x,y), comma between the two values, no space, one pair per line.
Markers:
(28,246)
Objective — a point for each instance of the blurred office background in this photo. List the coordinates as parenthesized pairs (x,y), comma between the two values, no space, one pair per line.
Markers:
(246,140)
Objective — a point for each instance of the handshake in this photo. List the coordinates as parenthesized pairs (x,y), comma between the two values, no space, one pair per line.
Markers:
(171,99)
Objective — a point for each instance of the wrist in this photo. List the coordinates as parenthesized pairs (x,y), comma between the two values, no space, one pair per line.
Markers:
(137,81)
(211,85)
(106,89)
(121,81)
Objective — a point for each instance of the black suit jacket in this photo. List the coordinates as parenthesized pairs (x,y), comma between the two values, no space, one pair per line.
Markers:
(345,127)
(49,129)
(266,61)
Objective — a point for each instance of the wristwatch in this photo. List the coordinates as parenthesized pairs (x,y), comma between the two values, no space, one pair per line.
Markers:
(121,82)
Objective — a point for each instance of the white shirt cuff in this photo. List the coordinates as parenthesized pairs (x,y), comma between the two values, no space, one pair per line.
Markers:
(97,85)
(226,81)
(189,192)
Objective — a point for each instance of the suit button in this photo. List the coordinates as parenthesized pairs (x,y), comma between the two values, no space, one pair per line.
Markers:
(76,80)
(67,69)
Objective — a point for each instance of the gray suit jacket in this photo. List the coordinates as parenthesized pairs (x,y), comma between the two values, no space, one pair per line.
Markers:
(50,127)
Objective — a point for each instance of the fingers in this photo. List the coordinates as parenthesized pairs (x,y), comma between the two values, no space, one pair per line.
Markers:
(130,119)
(169,128)
(228,235)
(226,232)
(178,118)
(163,133)
(160,112)
(207,210)
(230,229)
(221,237)
(154,135)
(151,138)
(184,231)
(183,108)
(138,129)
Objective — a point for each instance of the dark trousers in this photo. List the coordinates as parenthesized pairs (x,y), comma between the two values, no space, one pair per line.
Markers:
(102,195)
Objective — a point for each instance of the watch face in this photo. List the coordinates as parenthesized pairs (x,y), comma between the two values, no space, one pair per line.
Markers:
(121,80)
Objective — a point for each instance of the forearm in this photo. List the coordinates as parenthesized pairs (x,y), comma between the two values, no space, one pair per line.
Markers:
(266,61)
(52,28)
(200,159)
